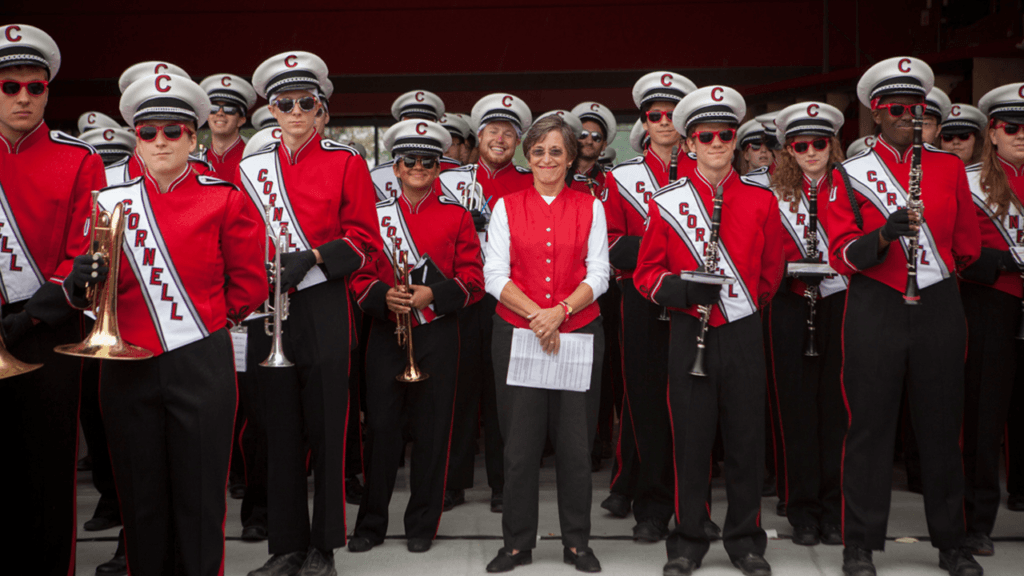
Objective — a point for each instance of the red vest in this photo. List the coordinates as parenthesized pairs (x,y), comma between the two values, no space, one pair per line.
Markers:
(548,251)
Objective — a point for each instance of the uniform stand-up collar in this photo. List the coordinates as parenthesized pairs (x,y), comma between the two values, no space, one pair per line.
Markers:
(653,159)
(698,177)
(493,173)
(1010,167)
(407,204)
(808,181)
(26,141)
(303,151)
(887,150)
(220,157)
(185,174)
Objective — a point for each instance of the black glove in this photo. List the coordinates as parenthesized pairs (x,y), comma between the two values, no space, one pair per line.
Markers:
(479,220)
(87,270)
(15,327)
(897,225)
(1007,262)
(294,266)
(698,294)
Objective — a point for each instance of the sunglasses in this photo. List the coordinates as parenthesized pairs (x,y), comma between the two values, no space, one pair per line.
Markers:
(1009,129)
(802,147)
(225,108)
(35,87)
(596,136)
(962,137)
(539,152)
(171,132)
(656,115)
(897,110)
(427,163)
(306,103)
(708,136)
(755,146)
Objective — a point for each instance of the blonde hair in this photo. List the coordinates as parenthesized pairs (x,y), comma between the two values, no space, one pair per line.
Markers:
(788,178)
(994,182)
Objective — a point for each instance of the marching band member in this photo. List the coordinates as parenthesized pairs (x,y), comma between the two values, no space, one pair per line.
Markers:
(960,133)
(45,181)
(192,266)
(112,144)
(323,115)
(808,394)
(599,129)
(460,132)
(319,193)
(748,240)
(262,118)
(644,422)
(437,235)
(232,97)
(415,104)
(549,297)
(767,121)
(752,143)
(866,214)
(859,145)
(992,301)
(937,108)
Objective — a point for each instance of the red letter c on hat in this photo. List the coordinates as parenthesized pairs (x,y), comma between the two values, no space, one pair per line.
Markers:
(955,111)
(225,81)
(108,135)
(716,93)
(91,118)
(506,101)
(291,61)
(10,33)
(158,67)
(812,110)
(1020,91)
(901,63)
(666,79)
(595,106)
(419,97)
(421,128)
(164,88)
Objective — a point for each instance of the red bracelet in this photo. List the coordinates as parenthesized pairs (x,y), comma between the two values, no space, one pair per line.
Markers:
(566,308)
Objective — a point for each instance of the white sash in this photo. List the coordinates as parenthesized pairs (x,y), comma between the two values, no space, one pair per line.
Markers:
(870,177)
(385,183)
(1010,226)
(392,225)
(694,229)
(19,276)
(117,173)
(454,182)
(636,183)
(797,224)
(261,176)
(173,314)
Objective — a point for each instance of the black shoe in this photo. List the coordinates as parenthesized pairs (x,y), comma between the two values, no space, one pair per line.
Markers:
(97,523)
(681,566)
(649,531)
(418,544)
(979,544)
(768,488)
(254,533)
(584,559)
(712,531)
(497,501)
(806,535)
(281,565)
(753,564)
(360,544)
(453,498)
(506,561)
(116,566)
(857,562)
(237,491)
(318,563)
(354,490)
(617,504)
(780,508)
(831,534)
(1015,502)
(959,562)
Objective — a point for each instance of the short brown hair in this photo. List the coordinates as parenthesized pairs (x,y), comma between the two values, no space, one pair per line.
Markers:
(552,123)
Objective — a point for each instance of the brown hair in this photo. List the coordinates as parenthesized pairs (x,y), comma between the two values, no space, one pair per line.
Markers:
(994,181)
(552,123)
(788,178)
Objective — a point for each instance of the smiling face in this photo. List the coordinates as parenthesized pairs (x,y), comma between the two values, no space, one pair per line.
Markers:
(662,133)
(498,141)
(416,178)
(715,155)
(163,156)
(549,159)
(590,150)
(21,112)
(897,131)
(222,124)
(813,162)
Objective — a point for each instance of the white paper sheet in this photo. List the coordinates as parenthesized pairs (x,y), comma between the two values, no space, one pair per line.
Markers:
(570,369)
(240,342)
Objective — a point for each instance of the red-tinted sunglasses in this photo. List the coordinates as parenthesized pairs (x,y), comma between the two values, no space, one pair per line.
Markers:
(802,147)
(897,110)
(171,132)
(35,87)
(962,137)
(656,115)
(708,136)
(1008,129)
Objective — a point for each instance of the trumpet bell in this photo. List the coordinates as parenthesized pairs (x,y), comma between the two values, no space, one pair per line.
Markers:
(11,366)
(104,347)
(276,358)
(412,373)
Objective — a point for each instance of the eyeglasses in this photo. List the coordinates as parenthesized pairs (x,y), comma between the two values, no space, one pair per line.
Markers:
(962,137)
(171,132)
(802,147)
(655,116)
(225,108)
(755,146)
(427,163)
(35,87)
(285,105)
(706,137)
(1009,129)
(539,152)
(897,110)
(595,135)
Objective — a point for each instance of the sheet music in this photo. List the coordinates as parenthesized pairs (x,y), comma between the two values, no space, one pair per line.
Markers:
(570,369)
(240,342)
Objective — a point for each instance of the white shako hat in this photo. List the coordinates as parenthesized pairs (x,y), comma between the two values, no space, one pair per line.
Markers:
(24,45)
(860,144)
(110,140)
(708,105)
(261,139)
(750,131)
(937,104)
(661,85)
(571,119)
(901,75)
(418,104)
(767,121)
(91,120)
(230,88)
(262,118)
(417,136)
(638,137)
(456,125)
(1005,103)
(326,91)
(472,127)
(963,118)
(150,68)
(808,118)
(287,71)
(502,107)
(598,113)
(607,156)
(165,97)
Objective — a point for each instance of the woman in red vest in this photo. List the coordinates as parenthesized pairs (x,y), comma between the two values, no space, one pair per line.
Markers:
(547,276)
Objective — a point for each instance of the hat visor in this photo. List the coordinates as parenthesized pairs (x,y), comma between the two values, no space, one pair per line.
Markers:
(1010,117)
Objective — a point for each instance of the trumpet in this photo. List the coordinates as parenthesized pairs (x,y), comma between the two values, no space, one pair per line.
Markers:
(403,324)
(11,366)
(278,311)
(473,195)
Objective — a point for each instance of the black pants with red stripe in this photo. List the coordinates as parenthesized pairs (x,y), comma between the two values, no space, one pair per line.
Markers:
(775,459)
(644,424)
(993,318)
(39,429)
(425,409)
(731,395)
(169,421)
(886,345)
(810,401)
(254,434)
(1015,432)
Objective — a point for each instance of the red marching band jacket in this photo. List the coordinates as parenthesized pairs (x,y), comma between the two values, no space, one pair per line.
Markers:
(438,227)
(501,182)
(548,251)
(992,231)
(751,231)
(948,212)
(224,165)
(798,219)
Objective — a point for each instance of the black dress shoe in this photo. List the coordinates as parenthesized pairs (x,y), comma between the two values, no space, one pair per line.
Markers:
(354,490)
(831,534)
(780,508)
(318,563)
(418,544)
(649,531)
(753,564)
(681,566)
(1015,502)
(617,504)
(281,565)
(497,501)
(360,544)
(506,561)
(959,562)
(583,559)
(254,533)
(97,523)
(979,544)
(857,562)
(712,531)
(768,488)
(116,566)
(237,491)
(453,498)
(806,535)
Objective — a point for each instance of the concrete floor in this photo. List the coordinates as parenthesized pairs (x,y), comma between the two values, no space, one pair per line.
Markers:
(470,536)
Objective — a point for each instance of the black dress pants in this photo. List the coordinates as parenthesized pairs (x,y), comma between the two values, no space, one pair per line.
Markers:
(254,434)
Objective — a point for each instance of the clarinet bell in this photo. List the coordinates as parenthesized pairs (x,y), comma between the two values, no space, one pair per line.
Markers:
(811,349)
(698,362)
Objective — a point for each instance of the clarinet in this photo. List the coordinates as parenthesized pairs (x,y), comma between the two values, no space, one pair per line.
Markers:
(673,169)
(710,267)
(912,296)
(811,293)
